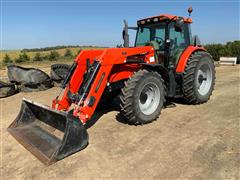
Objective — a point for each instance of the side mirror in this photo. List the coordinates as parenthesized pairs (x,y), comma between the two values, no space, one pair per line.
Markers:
(196,41)
(179,24)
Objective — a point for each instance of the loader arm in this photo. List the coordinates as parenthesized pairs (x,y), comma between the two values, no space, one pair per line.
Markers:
(87,84)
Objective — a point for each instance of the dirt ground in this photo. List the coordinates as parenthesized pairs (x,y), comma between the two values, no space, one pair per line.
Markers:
(186,142)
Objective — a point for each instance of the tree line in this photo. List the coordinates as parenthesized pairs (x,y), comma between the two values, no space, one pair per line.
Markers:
(230,49)
(56,48)
(52,56)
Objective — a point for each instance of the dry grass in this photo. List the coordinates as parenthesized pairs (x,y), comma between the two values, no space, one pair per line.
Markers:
(13,54)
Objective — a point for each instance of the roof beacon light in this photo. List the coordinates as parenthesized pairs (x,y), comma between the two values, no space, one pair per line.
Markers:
(190,10)
(155,19)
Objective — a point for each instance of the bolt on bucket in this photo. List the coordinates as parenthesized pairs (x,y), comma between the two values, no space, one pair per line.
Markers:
(48,134)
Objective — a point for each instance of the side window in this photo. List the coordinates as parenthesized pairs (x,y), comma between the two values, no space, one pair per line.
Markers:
(178,39)
(160,33)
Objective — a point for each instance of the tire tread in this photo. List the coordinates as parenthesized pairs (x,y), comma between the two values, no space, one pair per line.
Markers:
(126,95)
(189,75)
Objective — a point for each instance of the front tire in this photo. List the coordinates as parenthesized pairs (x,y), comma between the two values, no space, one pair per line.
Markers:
(143,97)
(198,78)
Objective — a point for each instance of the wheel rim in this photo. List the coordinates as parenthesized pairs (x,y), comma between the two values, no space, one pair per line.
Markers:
(149,98)
(204,79)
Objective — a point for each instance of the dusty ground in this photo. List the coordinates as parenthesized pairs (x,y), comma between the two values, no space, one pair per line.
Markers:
(186,142)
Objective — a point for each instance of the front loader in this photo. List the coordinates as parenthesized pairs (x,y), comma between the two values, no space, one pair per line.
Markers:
(166,61)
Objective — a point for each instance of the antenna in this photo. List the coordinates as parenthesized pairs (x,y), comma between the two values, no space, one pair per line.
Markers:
(190,10)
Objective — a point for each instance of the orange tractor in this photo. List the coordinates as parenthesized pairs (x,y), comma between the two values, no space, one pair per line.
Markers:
(166,61)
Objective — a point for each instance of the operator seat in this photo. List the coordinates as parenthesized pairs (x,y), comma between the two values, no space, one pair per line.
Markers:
(176,49)
(157,54)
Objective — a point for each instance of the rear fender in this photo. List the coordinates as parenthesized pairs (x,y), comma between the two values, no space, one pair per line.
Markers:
(185,56)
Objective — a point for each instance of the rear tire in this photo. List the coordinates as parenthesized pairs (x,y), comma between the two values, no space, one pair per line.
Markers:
(143,97)
(198,78)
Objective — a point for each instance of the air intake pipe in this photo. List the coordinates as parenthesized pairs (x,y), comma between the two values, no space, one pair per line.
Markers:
(125,34)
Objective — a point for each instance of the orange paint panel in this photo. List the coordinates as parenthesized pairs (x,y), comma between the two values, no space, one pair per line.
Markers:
(123,71)
(108,58)
(185,56)
(96,91)
(168,16)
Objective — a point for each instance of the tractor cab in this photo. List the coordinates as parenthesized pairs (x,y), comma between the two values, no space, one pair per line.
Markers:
(168,34)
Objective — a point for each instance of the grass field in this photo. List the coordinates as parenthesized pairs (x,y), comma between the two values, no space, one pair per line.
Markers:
(13,54)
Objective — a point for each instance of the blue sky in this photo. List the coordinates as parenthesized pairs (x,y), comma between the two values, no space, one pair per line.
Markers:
(28,24)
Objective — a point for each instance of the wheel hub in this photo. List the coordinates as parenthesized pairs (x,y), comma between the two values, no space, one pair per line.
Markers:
(149,98)
(204,79)
(201,78)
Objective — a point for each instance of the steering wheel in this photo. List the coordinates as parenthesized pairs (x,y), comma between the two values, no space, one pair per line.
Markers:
(159,40)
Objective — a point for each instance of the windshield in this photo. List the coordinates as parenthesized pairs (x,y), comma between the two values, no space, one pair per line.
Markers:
(154,32)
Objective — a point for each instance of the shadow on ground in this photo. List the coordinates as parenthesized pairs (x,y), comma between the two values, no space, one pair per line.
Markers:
(114,106)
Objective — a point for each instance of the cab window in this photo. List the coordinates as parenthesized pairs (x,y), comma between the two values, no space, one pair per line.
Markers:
(152,32)
(143,36)
(179,41)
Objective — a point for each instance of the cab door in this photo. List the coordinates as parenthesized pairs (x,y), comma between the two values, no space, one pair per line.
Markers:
(179,41)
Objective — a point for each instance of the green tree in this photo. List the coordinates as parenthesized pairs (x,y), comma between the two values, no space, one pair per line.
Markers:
(53,56)
(7,59)
(68,53)
(23,57)
(218,50)
(37,57)
(233,48)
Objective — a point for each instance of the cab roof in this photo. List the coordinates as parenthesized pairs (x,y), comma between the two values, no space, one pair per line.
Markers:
(162,17)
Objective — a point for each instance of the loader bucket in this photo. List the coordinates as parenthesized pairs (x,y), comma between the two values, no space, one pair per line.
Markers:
(48,134)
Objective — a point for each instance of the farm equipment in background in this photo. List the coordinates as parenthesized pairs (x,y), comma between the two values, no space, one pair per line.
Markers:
(166,61)
(22,79)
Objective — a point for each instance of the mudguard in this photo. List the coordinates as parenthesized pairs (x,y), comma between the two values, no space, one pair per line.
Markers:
(185,56)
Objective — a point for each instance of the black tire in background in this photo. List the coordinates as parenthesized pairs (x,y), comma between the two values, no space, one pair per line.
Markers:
(198,78)
(59,72)
(29,79)
(7,89)
(143,97)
